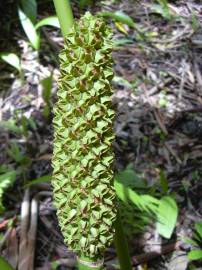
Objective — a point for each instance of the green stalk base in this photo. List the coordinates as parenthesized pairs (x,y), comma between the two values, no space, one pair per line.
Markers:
(87,264)
(65,15)
(121,245)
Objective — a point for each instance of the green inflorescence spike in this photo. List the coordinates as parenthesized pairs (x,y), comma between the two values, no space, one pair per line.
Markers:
(83,125)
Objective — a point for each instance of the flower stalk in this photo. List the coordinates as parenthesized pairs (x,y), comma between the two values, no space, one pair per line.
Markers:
(121,245)
(65,15)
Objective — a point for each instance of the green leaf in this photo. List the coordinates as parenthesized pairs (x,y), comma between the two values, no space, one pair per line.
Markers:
(42,179)
(198,228)
(29,29)
(129,177)
(165,6)
(166,216)
(11,125)
(121,81)
(49,21)
(195,255)
(162,9)
(47,86)
(119,16)
(195,21)
(46,94)
(6,180)
(4,265)
(30,9)
(12,59)
(143,202)
(163,182)
(83,3)
(190,241)
(122,41)
(15,153)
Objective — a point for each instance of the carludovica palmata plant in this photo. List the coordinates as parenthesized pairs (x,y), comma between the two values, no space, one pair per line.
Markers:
(83,135)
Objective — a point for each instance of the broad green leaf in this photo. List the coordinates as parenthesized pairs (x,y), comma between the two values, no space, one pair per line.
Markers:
(195,255)
(4,265)
(166,216)
(12,59)
(119,16)
(49,21)
(29,29)
(129,177)
(30,9)
(143,202)
(6,180)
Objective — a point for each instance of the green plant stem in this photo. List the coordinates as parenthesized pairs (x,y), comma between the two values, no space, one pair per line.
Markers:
(65,15)
(90,266)
(121,246)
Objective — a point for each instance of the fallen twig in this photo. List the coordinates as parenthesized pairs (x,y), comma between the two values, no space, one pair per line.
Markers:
(142,258)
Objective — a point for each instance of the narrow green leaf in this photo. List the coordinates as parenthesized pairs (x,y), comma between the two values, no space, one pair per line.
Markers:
(49,21)
(122,41)
(15,152)
(190,241)
(119,16)
(121,81)
(195,21)
(12,59)
(163,182)
(162,8)
(11,126)
(46,93)
(167,216)
(6,180)
(29,29)
(42,179)
(198,228)
(30,9)
(165,6)
(195,255)
(4,265)
(47,86)
(83,3)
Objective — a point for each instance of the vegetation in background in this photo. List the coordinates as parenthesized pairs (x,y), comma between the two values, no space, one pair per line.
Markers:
(143,203)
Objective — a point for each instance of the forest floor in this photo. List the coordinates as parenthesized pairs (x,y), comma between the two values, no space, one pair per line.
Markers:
(158,99)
